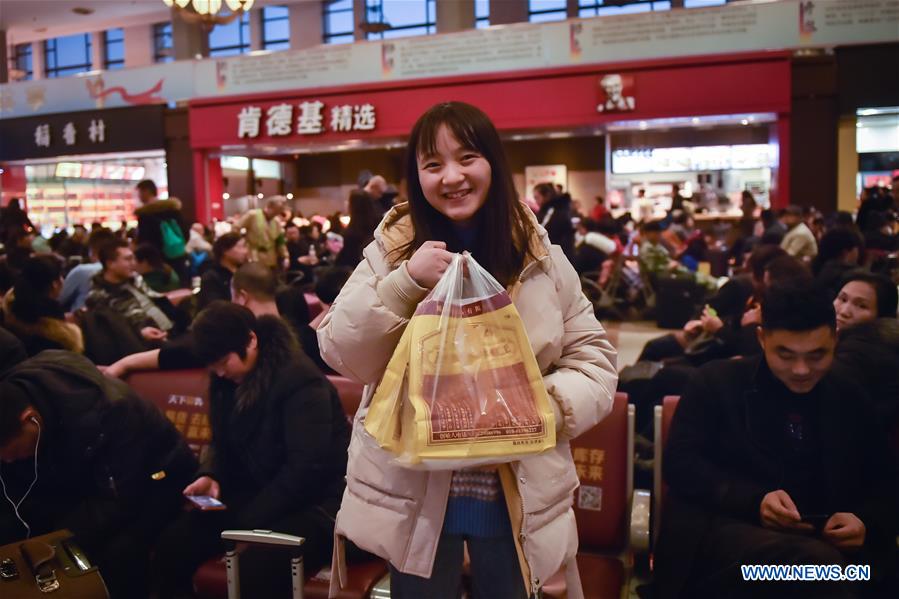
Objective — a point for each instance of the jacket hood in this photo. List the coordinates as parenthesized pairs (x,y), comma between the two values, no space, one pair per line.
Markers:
(396,231)
(50,377)
(159,206)
(68,363)
(65,334)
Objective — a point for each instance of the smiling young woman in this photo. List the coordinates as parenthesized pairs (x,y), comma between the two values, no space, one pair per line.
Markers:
(515,517)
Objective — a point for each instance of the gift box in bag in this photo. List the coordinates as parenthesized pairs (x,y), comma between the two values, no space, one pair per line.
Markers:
(463,387)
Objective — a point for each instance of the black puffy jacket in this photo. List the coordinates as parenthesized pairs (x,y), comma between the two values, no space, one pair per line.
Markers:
(99,450)
(280,438)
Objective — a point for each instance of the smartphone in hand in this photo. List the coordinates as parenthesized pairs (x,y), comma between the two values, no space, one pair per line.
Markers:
(205,502)
(816,520)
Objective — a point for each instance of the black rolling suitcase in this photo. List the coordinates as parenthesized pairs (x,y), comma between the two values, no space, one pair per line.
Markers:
(51,564)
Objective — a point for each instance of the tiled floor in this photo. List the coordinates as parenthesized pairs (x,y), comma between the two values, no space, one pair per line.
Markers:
(629,339)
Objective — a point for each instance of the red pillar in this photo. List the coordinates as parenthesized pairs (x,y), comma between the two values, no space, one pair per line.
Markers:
(780,175)
(12,184)
(208,187)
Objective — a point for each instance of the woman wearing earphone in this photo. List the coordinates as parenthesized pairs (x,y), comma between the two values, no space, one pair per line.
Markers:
(515,518)
(81,451)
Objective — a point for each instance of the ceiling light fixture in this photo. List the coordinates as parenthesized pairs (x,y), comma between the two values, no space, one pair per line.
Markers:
(206,12)
(374,21)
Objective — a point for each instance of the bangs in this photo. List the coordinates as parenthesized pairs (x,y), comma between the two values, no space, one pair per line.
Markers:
(462,124)
(501,252)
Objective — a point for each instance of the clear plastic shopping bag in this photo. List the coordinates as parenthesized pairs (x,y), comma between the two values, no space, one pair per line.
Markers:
(463,387)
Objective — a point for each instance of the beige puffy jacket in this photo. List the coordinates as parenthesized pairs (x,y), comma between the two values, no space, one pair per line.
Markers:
(397,513)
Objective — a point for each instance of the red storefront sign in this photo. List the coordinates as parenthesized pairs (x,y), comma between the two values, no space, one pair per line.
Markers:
(540,99)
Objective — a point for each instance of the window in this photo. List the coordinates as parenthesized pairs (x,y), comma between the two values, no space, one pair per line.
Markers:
(162,43)
(540,11)
(114,48)
(21,61)
(231,39)
(600,8)
(275,28)
(67,55)
(337,22)
(482,14)
(411,17)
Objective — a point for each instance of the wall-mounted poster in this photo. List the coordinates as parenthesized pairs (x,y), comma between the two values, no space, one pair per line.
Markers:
(557,174)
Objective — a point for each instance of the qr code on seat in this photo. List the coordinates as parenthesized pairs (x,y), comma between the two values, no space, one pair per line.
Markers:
(589,498)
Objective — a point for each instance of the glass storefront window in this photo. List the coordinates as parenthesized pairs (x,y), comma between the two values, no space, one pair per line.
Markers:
(71,191)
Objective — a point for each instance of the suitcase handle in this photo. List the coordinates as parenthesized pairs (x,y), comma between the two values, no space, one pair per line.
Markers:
(263,537)
(38,556)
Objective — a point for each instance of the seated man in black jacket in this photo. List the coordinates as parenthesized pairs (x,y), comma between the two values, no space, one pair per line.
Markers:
(81,451)
(279,451)
(777,460)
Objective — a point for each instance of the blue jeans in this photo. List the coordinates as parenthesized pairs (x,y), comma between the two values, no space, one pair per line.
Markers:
(495,571)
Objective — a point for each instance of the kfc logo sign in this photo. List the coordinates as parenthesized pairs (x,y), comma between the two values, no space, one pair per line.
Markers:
(617,93)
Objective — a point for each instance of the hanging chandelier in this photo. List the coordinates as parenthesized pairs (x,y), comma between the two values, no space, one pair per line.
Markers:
(205,12)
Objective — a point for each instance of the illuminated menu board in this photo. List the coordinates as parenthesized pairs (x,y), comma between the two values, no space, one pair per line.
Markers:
(700,158)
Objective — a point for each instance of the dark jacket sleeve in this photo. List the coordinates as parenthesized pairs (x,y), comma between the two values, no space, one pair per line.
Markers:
(308,432)
(179,354)
(689,467)
(869,354)
(878,510)
(138,442)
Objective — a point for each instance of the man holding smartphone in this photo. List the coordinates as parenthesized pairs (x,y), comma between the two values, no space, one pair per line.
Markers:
(774,460)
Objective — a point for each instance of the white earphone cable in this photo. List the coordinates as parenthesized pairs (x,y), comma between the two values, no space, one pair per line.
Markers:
(16,506)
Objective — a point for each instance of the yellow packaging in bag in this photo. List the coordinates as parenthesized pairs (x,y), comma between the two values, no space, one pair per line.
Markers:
(463,385)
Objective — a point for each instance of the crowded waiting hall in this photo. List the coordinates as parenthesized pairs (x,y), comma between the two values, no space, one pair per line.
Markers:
(449,299)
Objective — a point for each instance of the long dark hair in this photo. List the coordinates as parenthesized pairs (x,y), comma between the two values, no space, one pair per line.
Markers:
(32,289)
(363,217)
(502,244)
